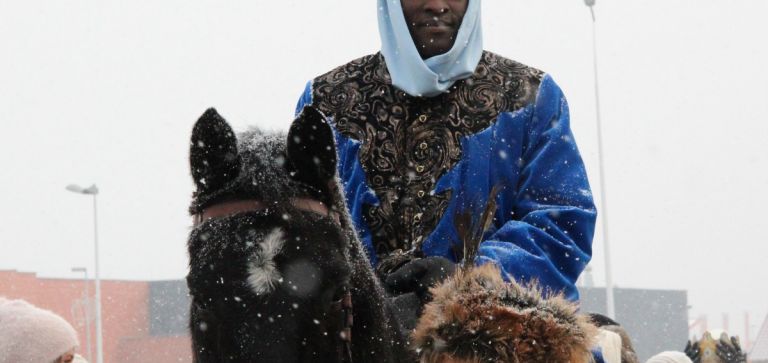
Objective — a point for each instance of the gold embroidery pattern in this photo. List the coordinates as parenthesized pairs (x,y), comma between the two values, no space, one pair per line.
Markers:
(408,143)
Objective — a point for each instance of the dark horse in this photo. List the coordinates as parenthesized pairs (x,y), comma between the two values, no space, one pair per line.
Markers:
(274,259)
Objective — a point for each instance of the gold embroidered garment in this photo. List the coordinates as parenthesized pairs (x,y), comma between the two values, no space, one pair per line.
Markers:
(408,143)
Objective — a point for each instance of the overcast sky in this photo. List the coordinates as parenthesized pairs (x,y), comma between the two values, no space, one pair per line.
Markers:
(106,92)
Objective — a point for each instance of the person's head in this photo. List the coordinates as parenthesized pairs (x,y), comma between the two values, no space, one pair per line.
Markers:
(628,354)
(433,24)
(605,323)
(31,334)
(669,357)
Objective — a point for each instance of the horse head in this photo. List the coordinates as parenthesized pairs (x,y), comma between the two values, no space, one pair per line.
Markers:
(269,260)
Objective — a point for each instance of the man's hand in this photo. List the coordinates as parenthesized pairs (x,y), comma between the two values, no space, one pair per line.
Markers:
(419,275)
(731,353)
(693,351)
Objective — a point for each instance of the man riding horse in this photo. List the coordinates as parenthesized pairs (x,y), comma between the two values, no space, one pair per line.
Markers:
(425,136)
(426,128)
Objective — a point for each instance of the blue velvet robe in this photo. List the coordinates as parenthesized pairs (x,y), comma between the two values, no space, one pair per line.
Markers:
(545,221)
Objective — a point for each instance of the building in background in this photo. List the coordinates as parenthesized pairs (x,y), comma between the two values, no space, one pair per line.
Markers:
(656,320)
(142,321)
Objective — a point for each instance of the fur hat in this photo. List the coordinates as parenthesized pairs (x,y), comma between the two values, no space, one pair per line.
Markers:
(32,335)
(476,316)
(669,357)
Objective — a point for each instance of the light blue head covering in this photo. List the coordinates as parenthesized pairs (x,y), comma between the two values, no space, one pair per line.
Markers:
(427,78)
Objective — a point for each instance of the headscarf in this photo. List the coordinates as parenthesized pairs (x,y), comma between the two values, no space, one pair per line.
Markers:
(427,78)
(610,345)
(32,335)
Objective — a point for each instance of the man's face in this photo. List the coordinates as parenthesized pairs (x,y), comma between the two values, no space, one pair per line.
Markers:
(434,24)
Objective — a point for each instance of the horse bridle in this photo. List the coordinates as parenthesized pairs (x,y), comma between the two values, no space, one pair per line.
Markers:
(225,209)
(343,306)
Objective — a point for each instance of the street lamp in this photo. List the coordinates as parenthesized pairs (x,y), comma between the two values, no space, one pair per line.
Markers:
(87,304)
(94,191)
(610,306)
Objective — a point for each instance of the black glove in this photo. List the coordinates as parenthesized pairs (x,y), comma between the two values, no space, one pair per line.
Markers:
(731,353)
(693,351)
(419,275)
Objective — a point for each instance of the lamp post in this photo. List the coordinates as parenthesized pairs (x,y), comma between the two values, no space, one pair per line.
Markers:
(610,306)
(87,304)
(94,191)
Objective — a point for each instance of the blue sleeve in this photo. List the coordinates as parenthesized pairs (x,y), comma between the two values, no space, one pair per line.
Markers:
(305,99)
(547,232)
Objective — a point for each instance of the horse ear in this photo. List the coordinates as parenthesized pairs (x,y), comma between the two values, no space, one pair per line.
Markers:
(213,156)
(311,151)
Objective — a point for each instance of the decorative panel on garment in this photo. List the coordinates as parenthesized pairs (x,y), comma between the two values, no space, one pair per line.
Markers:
(408,143)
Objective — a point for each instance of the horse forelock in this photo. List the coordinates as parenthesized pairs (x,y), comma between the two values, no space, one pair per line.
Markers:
(262,174)
(263,274)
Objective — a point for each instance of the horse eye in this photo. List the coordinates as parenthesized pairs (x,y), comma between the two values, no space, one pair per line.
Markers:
(199,304)
(203,311)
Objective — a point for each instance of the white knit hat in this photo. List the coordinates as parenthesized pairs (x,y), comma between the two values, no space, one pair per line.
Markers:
(32,335)
(669,357)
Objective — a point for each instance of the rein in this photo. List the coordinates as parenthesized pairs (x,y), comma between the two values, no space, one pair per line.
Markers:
(342,306)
